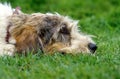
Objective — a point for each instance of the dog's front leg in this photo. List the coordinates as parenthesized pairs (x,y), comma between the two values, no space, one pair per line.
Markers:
(7,49)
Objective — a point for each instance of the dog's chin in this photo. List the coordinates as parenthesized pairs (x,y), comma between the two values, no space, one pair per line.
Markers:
(67,49)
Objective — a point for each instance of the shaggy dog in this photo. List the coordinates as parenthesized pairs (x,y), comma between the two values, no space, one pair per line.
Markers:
(50,33)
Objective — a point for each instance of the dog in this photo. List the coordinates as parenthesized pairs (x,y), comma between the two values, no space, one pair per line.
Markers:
(49,32)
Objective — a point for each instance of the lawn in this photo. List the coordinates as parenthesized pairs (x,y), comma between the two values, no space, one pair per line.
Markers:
(97,17)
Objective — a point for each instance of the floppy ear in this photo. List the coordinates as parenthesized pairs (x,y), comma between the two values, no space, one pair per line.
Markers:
(47,28)
(27,39)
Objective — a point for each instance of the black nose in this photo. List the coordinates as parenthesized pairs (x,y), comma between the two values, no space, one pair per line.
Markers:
(92,47)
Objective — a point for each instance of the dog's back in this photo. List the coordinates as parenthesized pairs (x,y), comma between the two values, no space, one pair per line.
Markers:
(5,47)
(5,11)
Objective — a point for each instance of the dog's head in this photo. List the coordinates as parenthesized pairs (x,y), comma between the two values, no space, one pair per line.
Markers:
(52,32)
(59,33)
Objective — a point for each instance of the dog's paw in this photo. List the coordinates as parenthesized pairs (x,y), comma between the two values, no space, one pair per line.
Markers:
(12,40)
(7,49)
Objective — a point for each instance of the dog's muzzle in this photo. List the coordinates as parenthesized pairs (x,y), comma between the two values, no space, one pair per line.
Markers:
(92,47)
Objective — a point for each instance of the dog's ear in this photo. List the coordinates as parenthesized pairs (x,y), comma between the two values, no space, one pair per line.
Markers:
(27,39)
(16,11)
(47,28)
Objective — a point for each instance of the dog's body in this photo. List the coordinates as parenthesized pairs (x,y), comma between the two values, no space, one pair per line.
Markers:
(48,32)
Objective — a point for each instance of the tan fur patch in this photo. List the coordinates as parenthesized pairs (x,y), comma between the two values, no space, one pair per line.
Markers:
(26,39)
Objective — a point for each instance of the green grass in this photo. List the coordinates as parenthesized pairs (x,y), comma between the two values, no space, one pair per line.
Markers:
(97,17)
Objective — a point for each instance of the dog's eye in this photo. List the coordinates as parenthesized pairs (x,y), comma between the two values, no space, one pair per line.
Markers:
(64,29)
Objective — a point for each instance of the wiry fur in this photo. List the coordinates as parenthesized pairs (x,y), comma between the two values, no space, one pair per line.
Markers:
(47,32)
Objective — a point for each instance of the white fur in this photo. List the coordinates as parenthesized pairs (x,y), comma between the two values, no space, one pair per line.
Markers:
(5,12)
